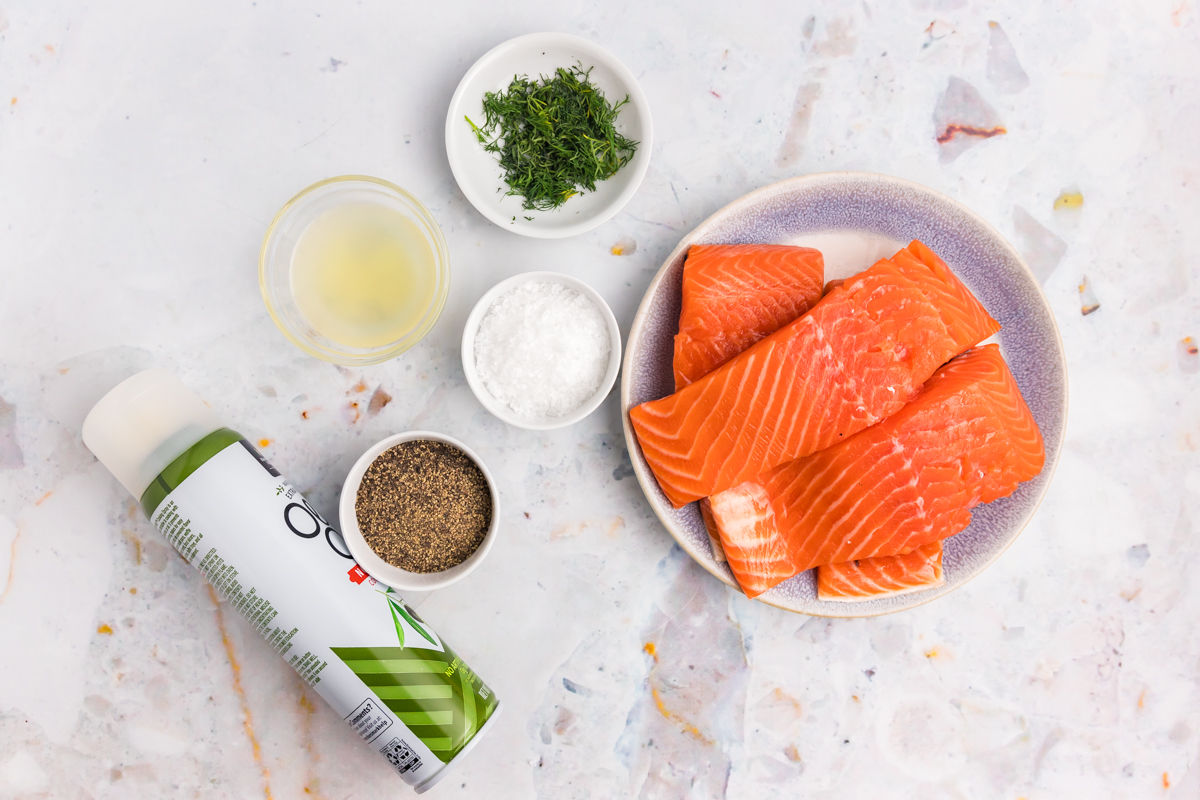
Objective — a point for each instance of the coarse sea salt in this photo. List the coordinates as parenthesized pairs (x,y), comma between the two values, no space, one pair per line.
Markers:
(542,349)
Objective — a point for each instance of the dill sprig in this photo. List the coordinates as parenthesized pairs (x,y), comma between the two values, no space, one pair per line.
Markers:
(554,137)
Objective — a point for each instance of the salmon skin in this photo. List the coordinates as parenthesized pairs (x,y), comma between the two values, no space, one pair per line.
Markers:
(714,533)
(855,358)
(966,438)
(885,576)
(736,294)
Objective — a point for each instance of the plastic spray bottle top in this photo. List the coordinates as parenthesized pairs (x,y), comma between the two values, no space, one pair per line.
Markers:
(144,424)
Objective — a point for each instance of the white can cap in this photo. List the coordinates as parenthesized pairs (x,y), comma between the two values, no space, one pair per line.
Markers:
(144,424)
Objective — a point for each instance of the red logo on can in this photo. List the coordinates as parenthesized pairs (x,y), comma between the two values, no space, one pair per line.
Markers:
(357,575)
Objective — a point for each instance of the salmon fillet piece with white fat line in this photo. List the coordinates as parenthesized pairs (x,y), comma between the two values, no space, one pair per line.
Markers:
(966,438)
(735,295)
(749,539)
(885,576)
(855,358)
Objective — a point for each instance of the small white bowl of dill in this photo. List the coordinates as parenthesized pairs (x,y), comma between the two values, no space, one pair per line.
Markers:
(551,199)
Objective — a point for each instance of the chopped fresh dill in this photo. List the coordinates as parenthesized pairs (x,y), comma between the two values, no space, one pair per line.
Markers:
(554,137)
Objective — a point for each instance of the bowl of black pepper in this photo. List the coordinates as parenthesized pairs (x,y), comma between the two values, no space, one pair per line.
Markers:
(419,511)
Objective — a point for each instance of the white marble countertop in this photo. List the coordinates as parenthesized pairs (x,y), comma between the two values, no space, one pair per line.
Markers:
(145,146)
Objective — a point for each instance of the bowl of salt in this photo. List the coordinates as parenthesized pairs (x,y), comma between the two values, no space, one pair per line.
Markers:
(541,350)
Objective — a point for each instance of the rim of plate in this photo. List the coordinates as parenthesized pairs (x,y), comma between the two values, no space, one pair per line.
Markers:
(637,165)
(756,197)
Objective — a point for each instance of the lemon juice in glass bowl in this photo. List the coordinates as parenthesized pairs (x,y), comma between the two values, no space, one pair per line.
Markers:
(354,270)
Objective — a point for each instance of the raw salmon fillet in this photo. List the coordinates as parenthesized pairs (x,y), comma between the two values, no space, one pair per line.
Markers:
(748,536)
(736,294)
(966,438)
(872,578)
(855,358)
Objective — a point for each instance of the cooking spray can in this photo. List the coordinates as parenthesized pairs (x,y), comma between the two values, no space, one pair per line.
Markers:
(275,559)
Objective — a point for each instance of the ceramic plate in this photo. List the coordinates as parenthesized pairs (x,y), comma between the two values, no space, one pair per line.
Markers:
(856,219)
(479,174)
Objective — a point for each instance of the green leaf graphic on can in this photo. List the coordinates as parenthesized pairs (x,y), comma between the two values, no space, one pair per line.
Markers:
(433,692)
(397,606)
(396,622)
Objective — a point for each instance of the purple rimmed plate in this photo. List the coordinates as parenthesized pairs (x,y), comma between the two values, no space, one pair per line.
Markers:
(854,219)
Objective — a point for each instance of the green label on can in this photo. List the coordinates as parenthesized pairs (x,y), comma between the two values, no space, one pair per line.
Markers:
(441,700)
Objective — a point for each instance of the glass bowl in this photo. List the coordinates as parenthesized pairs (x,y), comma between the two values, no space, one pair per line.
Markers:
(275,265)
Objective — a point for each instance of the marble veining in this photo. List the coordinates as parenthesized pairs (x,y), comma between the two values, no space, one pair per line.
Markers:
(145,147)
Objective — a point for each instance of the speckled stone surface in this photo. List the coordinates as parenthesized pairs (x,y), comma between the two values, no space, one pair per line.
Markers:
(144,149)
(865,207)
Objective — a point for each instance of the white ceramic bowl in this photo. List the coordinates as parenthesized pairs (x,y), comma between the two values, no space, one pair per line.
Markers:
(375,566)
(501,410)
(479,174)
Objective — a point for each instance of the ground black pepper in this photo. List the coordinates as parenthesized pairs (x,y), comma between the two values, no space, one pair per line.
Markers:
(423,506)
